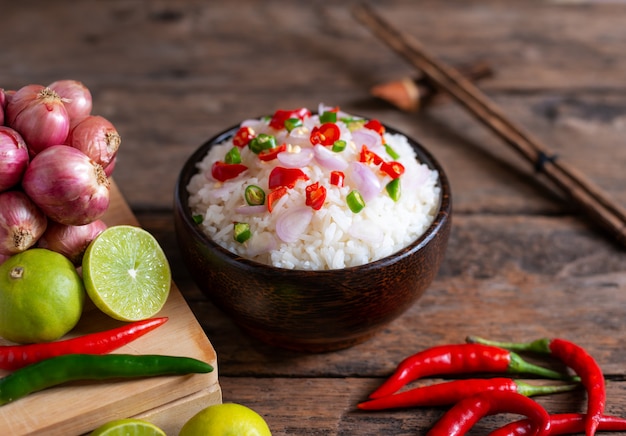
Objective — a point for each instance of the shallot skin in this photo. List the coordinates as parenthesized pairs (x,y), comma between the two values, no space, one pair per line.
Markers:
(13,158)
(76,97)
(21,223)
(95,136)
(67,186)
(39,115)
(70,241)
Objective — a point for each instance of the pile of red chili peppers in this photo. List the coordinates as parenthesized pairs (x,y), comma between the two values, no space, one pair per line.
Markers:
(39,366)
(473,398)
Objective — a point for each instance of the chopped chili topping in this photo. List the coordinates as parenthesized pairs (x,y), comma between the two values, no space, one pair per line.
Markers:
(393,189)
(241,232)
(369,157)
(325,134)
(328,117)
(292,123)
(315,195)
(287,177)
(391,152)
(233,156)
(339,146)
(355,201)
(223,171)
(254,195)
(273,197)
(280,116)
(243,136)
(262,142)
(376,126)
(337,178)
(392,169)
(270,154)
(197,219)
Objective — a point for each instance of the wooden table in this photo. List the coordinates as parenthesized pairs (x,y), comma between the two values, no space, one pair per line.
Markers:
(522,261)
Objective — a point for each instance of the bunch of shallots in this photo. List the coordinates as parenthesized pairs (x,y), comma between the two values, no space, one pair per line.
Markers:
(55,160)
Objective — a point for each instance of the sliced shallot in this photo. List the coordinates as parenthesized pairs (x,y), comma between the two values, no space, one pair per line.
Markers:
(297,159)
(293,222)
(21,222)
(364,180)
(329,159)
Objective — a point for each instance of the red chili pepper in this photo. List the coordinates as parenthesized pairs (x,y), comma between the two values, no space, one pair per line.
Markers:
(325,134)
(273,197)
(577,358)
(315,195)
(459,419)
(392,169)
(243,136)
(442,394)
(267,155)
(288,177)
(460,359)
(280,116)
(376,126)
(561,424)
(337,178)
(13,357)
(369,157)
(223,171)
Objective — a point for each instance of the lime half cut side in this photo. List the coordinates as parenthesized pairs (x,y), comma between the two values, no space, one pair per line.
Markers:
(128,427)
(126,273)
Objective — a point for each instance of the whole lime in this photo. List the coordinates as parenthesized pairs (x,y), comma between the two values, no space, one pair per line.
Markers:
(227,419)
(41,296)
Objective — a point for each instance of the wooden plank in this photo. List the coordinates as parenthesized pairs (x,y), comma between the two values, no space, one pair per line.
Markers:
(79,407)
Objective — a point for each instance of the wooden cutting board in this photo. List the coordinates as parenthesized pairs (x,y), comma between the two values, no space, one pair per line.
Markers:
(79,407)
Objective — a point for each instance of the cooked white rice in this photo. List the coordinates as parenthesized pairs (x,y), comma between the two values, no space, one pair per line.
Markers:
(332,237)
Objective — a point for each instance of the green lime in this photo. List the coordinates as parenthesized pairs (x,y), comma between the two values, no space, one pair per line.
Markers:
(228,419)
(41,296)
(128,427)
(126,273)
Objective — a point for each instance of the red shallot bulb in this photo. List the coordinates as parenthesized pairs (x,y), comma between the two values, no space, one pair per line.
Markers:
(70,241)
(3,103)
(21,222)
(76,97)
(108,170)
(96,137)
(39,115)
(67,186)
(13,158)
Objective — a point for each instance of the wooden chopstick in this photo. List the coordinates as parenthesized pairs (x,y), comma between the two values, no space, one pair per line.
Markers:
(589,197)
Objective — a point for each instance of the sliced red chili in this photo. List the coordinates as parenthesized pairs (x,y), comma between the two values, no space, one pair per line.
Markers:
(325,134)
(315,195)
(273,197)
(287,177)
(243,136)
(223,171)
(280,116)
(267,155)
(337,178)
(392,169)
(376,126)
(369,157)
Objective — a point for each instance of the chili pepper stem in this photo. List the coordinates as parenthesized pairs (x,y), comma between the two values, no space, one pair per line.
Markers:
(537,346)
(529,390)
(521,366)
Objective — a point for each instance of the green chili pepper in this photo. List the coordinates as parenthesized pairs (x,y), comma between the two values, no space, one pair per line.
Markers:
(339,145)
(353,123)
(233,156)
(391,152)
(73,367)
(241,232)
(261,142)
(393,189)
(355,201)
(292,123)
(254,195)
(328,117)
(197,219)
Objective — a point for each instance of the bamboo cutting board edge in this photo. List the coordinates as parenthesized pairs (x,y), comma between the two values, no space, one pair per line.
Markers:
(79,407)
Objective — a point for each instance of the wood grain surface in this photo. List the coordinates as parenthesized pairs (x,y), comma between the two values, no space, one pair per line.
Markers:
(522,262)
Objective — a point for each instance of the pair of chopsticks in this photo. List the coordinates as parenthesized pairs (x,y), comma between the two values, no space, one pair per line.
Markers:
(590,198)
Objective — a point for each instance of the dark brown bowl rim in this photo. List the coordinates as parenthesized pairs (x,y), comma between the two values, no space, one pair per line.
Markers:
(181,197)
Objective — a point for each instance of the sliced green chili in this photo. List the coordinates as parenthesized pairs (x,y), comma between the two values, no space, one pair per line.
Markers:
(292,123)
(197,219)
(254,195)
(233,156)
(355,201)
(71,367)
(391,152)
(339,145)
(241,232)
(261,142)
(393,189)
(353,123)
(328,117)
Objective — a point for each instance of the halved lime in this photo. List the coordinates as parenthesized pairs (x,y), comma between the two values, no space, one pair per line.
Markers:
(126,273)
(128,427)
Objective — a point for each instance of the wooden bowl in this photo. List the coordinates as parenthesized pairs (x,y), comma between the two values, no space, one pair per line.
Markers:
(312,311)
